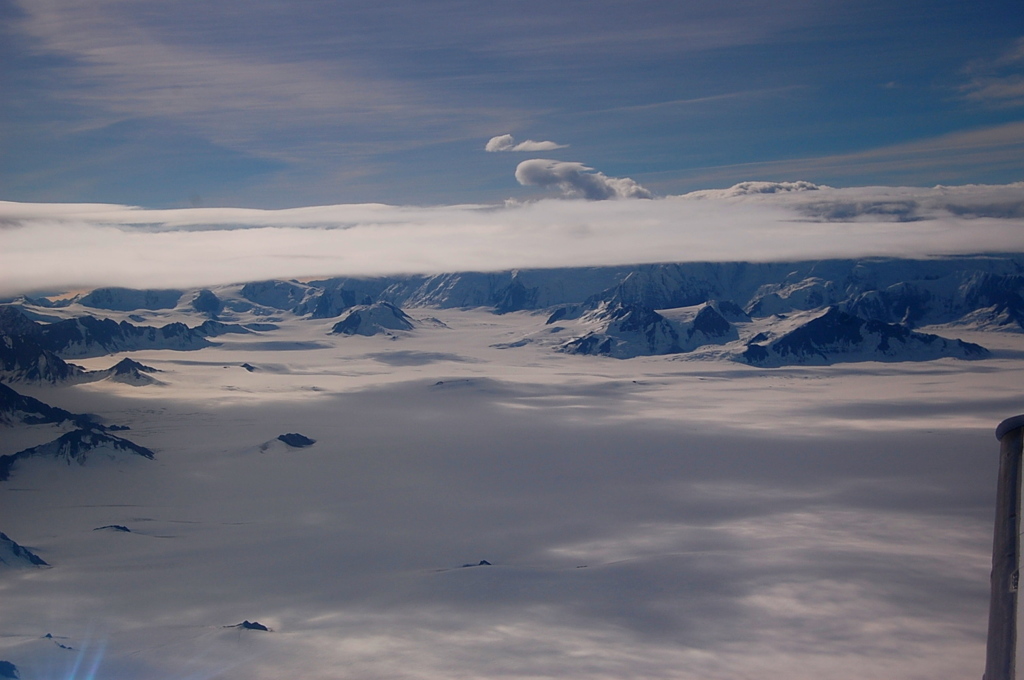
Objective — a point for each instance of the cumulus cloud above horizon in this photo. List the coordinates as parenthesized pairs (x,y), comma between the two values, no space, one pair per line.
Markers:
(576,180)
(508,143)
(47,247)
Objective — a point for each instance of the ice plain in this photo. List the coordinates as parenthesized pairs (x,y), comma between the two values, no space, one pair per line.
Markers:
(656,517)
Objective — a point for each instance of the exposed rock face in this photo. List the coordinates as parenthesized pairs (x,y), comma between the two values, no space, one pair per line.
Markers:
(15,556)
(132,372)
(283,295)
(902,303)
(206,302)
(631,330)
(481,563)
(838,336)
(77,446)
(515,296)
(87,336)
(128,299)
(89,440)
(331,297)
(212,328)
(15,323)
(18,409)
(296,440)
(22,359)
(662,287)
(730,311)
(626,331)
(810,293)
(328,304)
(709,327)
(129,366)
(375,319)
(564,313)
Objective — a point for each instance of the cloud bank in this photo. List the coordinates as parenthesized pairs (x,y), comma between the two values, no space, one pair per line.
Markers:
(576,180)
(67,246)
(508,143)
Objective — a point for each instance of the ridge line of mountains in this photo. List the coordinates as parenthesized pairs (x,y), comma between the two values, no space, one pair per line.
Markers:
(868,309)
(85,435)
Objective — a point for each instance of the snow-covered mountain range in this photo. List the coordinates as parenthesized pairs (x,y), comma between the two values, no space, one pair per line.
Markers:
(764,315)
(80,436)
(707,434)
(746,311)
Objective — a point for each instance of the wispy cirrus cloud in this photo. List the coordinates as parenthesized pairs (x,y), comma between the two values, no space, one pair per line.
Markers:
(998,82)
(996,148)
(1005,91)
(264,93)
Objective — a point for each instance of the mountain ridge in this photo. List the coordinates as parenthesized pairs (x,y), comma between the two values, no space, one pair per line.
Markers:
(620,312)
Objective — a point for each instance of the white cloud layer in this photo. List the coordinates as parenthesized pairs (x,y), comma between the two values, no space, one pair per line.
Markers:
(508,143)
(576,180)
(66,246)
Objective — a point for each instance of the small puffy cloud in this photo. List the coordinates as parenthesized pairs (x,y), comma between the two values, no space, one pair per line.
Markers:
(530,145)
(500,143)
(754,188)
(577,180)
(508,143)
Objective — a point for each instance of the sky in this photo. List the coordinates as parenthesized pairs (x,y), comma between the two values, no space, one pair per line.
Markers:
(265,104)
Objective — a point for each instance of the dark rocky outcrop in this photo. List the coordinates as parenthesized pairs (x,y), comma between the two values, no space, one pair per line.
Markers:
(131,372)
(18,409)
(282,295)
(76,446)
(296,440)
(206,302)
(250,625)
(626,331)
(15,556)
(481,563)
(23,359)
(87,336)
(838,336)
(129,299)
(376,319)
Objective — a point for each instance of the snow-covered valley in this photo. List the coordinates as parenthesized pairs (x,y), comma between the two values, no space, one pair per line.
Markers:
(677,515)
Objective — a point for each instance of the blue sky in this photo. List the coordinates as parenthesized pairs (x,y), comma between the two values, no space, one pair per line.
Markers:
(277,104)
